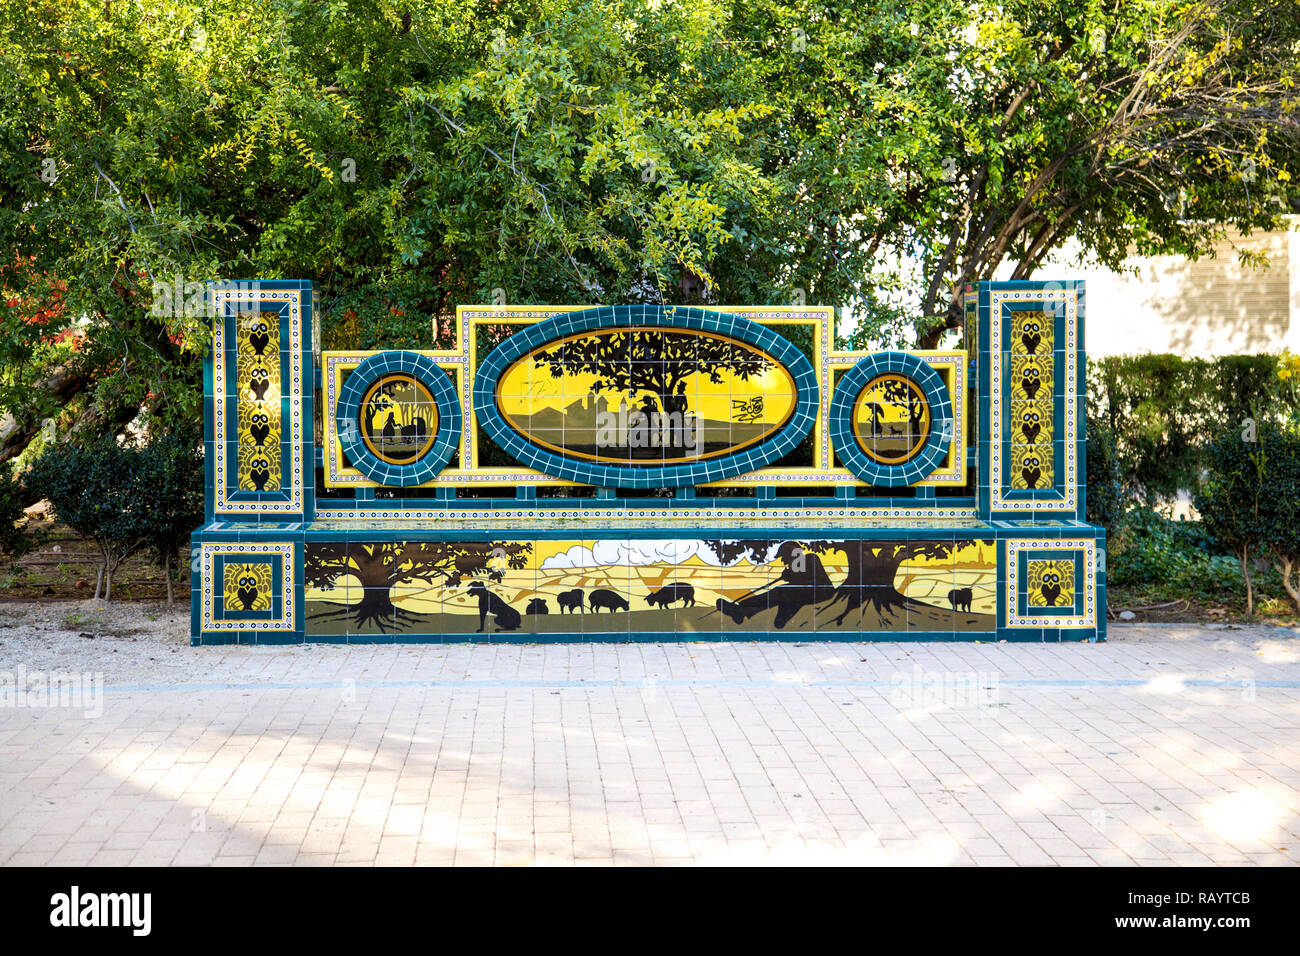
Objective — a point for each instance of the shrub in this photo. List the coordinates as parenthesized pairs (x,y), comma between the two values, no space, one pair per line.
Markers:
(101,491)
(1107,499)
(1147,403)
(172,471)
(1153,549)
(1288,376)
(1280,505)
(125,498)
(1160,407)
(1233,498)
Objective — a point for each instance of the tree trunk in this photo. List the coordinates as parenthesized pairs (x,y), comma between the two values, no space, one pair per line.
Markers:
(97,420)
(930,339)
(878,571)
(1245,572)
(870,578)
(376,605)
(62,384)
(1286,566)
(167,569)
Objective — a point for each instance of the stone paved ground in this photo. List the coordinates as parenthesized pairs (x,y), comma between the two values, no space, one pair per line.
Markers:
(1168,745)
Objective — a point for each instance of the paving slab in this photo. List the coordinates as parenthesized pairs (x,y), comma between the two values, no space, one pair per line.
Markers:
(1166,745)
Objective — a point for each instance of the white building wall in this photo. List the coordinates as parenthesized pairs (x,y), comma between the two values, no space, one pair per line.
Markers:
(1213,306)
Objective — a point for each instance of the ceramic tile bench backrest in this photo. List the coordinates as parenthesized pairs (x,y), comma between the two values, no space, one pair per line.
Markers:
(646,473)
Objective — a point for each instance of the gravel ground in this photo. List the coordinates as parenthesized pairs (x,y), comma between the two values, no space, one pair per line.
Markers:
(144,643)
(129,642)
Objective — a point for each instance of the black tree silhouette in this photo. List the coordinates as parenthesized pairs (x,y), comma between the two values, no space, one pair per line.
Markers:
(872,569)
(905,393)
(383,565)
(653,360)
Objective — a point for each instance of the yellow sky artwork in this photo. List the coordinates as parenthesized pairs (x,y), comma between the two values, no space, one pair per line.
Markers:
(526,389)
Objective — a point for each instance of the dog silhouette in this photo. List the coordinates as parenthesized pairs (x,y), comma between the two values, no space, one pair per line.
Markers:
(507,618)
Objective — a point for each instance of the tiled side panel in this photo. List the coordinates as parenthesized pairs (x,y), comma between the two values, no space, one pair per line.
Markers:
(1054,588)
(258,402)
(246,592)
(1031,384)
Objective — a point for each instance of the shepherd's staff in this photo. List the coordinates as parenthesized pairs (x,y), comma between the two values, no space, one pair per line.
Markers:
(761,587)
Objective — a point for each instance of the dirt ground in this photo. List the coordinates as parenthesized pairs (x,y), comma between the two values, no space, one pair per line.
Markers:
(1154,607)
(64,569)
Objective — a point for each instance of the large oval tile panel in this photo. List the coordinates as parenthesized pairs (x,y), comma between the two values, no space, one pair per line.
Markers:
(646,397)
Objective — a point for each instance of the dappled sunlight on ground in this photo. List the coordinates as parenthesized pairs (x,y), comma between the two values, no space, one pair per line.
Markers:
(1155,749)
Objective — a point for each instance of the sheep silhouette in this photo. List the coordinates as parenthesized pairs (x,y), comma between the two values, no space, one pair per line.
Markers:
(604,597)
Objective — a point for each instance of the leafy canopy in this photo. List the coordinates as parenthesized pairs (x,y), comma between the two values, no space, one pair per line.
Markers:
(410,155)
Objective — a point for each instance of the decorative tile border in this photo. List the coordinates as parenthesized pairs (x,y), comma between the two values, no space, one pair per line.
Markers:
(637,517)
(819,318)
(719,324)
(955,362)
(348,408)
(339,364)
(227,500)
(1086,587)
(844,405)
(1066,396)
(212,589)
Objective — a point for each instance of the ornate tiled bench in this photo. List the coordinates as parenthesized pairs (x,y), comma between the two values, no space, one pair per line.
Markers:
(647,473)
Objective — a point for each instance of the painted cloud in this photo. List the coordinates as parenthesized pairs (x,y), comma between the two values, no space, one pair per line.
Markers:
(634,553)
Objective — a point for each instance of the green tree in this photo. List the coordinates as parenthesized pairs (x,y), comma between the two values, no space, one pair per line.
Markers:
(102,491)
(15,540)
(1233,500)
(410,155)
(1129,128)
(1280,505)
(407,157)
(172,479)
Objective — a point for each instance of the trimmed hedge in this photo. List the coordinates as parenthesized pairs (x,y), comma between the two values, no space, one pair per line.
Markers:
(1228,431)
(1250,503)
(1162,412)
